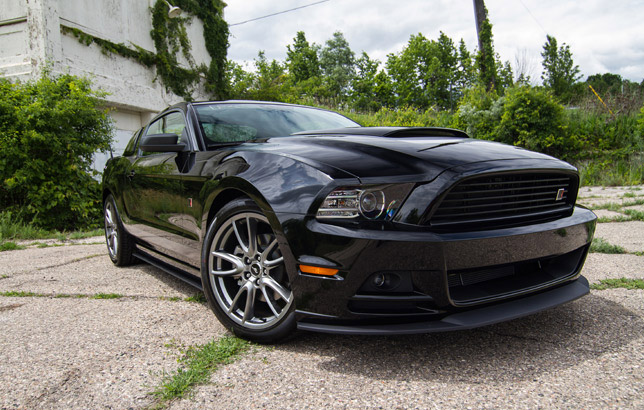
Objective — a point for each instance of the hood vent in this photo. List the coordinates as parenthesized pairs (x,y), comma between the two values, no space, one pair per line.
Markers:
(391,132)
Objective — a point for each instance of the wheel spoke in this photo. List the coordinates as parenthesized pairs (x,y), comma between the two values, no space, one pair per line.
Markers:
(269,301)
(274,262)
(240,292)
(273,284)
(239,239)
(251,223)
(108,216)
(249,309)
(238,264)
(271,263)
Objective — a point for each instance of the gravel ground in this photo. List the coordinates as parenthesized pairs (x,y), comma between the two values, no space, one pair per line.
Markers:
(70,353)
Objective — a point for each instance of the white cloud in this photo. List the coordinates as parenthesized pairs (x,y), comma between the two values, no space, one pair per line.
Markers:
(603,36)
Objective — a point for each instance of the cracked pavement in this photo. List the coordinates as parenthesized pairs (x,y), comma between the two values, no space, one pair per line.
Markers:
(70,353)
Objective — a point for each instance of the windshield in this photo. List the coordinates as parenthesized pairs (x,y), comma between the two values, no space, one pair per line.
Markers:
(236,122)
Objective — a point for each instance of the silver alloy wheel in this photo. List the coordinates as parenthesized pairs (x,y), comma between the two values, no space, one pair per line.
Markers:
(247,273)
(111,229)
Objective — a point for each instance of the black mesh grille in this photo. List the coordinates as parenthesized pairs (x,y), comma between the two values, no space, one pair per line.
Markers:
(505,200)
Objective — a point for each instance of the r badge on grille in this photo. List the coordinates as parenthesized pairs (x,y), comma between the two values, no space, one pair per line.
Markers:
(560,194)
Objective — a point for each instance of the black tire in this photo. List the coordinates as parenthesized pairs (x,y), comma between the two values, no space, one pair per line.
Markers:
(119,244)
(234,268)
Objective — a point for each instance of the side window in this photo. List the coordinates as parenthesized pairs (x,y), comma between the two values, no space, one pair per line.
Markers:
(172,123)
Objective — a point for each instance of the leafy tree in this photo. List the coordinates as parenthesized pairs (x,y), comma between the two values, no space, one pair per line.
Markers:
(605,83)
(466,76)
(426,72)
(370,89)
(49,132)
(559,71)
(337,62)
(302,59)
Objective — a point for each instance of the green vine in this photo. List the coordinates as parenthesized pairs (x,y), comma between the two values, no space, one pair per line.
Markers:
(170,38)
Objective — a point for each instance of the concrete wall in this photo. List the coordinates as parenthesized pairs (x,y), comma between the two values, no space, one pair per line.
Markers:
(31,39)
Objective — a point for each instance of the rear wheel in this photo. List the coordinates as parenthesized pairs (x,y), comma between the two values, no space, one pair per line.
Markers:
(243,274)
(119,244)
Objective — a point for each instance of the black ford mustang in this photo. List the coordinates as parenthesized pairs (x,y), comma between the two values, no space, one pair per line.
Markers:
(294,217)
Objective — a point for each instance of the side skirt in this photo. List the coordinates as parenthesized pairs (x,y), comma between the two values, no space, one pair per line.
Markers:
(179,273)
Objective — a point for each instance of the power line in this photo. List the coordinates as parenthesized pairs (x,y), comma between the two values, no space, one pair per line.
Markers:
(279,12)
(535,19)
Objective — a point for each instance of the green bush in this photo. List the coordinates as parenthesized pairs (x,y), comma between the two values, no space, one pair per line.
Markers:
(479,113)
(640,123)
(532,118)
(403,117)
(49,131)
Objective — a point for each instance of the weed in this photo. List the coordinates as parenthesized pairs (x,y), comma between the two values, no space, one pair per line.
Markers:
(197,297)
(196,365)
(634,215)
(618,283)
(10,246)
(600,245)
(106,296)
(20,294)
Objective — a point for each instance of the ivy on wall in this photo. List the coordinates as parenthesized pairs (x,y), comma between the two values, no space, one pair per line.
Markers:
(170,39)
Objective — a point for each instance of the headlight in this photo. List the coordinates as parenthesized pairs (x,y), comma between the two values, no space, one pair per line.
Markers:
(377,202)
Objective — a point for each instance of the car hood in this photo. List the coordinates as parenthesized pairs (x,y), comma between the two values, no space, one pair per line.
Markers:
(391,152)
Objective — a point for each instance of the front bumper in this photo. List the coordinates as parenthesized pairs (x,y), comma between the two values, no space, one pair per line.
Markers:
(543,260)
(468,319)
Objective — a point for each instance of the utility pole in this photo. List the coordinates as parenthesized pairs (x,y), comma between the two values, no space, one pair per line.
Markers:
(487,69)
(480,15)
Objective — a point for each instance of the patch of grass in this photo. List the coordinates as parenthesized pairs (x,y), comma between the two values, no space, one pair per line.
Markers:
(606,219)
(10,246)
(634,214)
(106,296)
(197,297)
(618,283)
(629,195)
(85,234)
(613,206)
(601,245)
(196,366)
(13,228)
(4,276)
(20,294)
(611,171)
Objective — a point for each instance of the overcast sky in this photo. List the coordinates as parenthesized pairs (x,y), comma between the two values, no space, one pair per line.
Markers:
(604,36)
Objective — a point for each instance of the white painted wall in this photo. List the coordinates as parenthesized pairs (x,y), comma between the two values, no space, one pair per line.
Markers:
(30,39)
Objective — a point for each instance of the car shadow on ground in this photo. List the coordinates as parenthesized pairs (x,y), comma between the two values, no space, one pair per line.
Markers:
(164,278)
(519,350)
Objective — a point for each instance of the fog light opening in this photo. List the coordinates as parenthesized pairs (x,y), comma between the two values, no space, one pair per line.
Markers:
(379,280)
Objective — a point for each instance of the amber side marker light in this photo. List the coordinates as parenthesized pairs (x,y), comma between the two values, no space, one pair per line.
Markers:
(316,270)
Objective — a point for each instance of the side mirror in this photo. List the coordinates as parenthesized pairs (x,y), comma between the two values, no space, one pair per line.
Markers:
(162,143)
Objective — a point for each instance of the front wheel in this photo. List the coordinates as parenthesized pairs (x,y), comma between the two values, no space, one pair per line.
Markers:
(119,244)
(243,274)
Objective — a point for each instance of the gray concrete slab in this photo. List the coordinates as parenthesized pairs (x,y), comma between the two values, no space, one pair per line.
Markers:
(587,354)
(608,266)
(88,271)
(629,235)
(92,354)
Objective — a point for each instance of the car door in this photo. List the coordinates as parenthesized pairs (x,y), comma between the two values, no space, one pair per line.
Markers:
(155,199)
